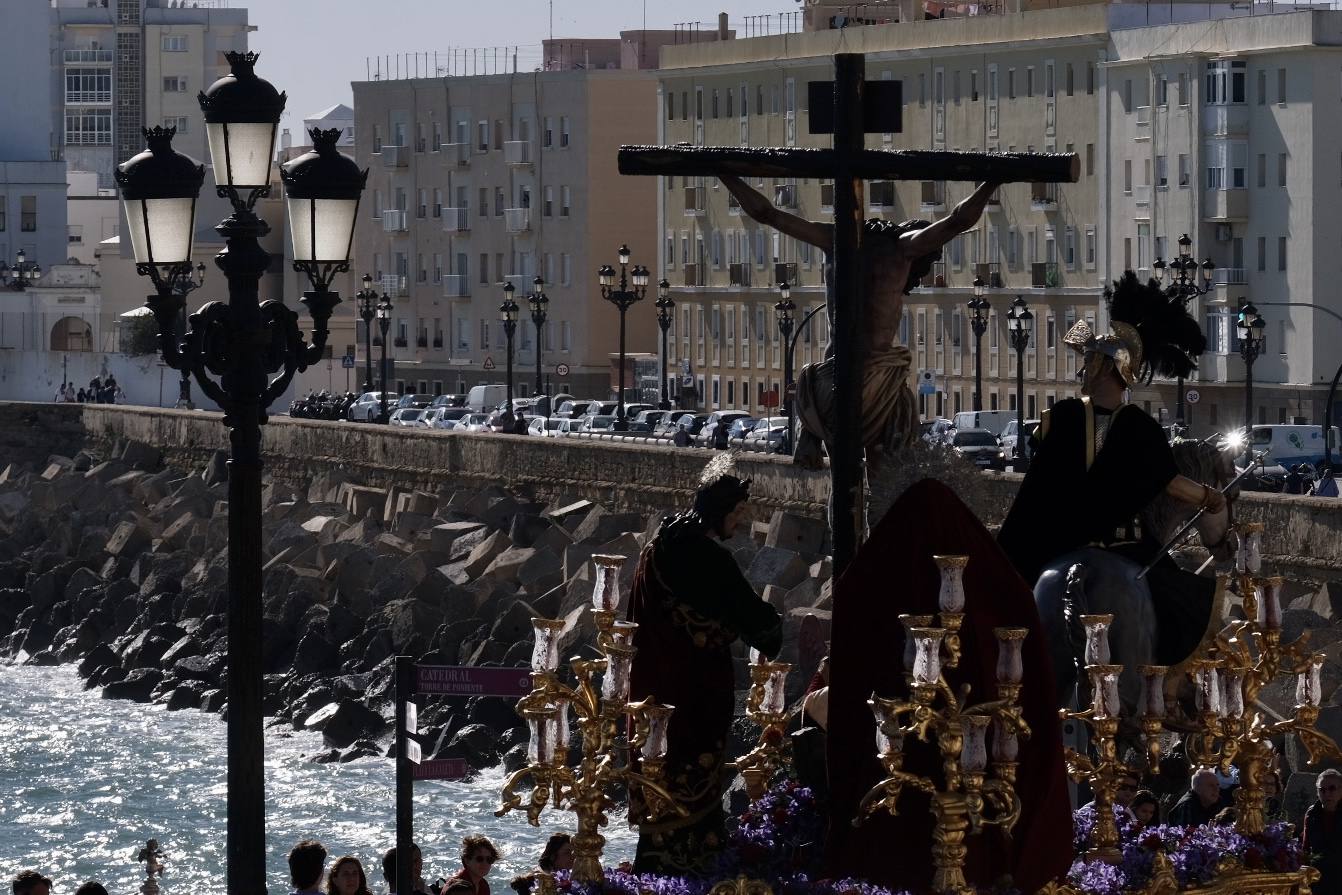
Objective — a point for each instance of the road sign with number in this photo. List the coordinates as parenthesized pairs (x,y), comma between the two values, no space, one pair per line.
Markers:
(1192,396)
(561,370)
(347,361)
(489,362)
(927,382)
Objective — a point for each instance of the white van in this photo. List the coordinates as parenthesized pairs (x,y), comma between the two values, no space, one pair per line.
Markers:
(1292,445)
(995,421)
(486,397)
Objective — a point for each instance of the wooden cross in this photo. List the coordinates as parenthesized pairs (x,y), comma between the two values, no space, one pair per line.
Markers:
(849,163)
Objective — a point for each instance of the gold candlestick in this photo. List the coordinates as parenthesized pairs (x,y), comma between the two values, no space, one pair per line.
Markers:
(1103,770)
(766,706)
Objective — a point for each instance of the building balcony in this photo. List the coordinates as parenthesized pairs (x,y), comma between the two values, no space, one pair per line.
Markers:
(88,97)
(456,154)
(517,152)
(1143,122)
(422,340)
(990,272)
(694,200)
(88,57)
(1230,276)
(522,285)
(1141,198)
(456,285)
(517,220)
(934,278)
(456,220)
(785,273)
(694,275)
(400,342)
(1043,197)
(395,156)
(785,196)
(1225,205)
(395,220)
(1226,121)
(995,200)
(738,274)
(933,196)
(1044,275)
(438,341)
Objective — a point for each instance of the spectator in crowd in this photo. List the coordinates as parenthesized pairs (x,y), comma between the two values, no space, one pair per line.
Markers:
(1322,837)
(1126,791)
(92,887)
(557,854)
(681,438)
(416,870)
(82,396)
(1202,801)
(346,877)
(307,860)
(1145,807)
(478,854)
(70,392)
(1326,486)
(60,394)
(30,882)
(1273,805)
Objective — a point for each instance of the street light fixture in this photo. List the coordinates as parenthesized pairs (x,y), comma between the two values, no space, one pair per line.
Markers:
(241,342)
(783,312)
(539,301)
(1250,328)
(367,299)
(666,312)
(508,317)
(1188,280)
(383,312)
(1019,323)
(623,297)
(22,274)
(978,322)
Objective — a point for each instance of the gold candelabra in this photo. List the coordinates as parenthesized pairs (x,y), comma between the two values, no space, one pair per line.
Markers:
(1246,656)
(600,711)
(971,794)
(766,706)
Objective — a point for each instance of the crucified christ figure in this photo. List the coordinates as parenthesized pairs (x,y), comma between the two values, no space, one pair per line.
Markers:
(893,259)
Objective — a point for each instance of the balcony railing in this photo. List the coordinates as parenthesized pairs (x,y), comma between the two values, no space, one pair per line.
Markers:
(456,220)
(785,272)
(738,274)
(395,156)
(395,285)
(785,196)
(1143,116)
(933,196)
(694,200)
(990,272)
(1230,276)
(694,275)
(1044,274)
(438,341)
(85,97)
(517,220)
(522,285)
(400,342)
(394,220)
(827,195)
(1225,205)
(458,154)
(422,340)
(1141,195)
(1043,196)
(456,285)
(936,277)
(84,57)
(517,152)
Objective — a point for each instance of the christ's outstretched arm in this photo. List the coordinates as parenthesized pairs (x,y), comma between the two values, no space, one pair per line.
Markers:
(761,209)
(966,213)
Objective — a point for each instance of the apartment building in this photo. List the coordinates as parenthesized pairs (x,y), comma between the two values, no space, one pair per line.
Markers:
(121,65)
(480,180)
(1031,82)
(1232,135)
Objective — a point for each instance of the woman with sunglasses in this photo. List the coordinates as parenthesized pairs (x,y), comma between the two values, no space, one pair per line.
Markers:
(478,855)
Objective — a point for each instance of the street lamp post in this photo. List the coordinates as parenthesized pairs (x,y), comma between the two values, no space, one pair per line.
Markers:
(1019,322)
(978,322)
(1184,287)
(1250,326)
(23,274)
(383,324)
(367,299)
(508,317)
(783,312)
(622,297)
(184,282)
(666,312)
(242,342)
(539,301)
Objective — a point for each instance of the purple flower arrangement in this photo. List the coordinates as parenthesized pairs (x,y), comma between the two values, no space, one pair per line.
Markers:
(1193,852)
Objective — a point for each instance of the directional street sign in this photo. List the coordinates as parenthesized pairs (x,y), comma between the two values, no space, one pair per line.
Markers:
(442,769)
(412,751)
(411,718)
(451,680)
(561,370)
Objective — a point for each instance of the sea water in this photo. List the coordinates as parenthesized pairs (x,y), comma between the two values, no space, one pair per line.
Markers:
(85,781)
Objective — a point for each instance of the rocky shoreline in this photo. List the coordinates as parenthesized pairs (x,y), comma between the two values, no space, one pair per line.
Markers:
(120,565)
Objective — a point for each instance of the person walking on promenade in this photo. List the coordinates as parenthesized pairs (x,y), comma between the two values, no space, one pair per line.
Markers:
(307,860)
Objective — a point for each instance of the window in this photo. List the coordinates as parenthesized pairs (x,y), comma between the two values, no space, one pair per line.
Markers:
(1090,159)
(1090,78)
(922,89)
(1225,81)
(3,214)
(565,201)
(1183,88)
(1162,91)
(1162,171)
(1281,253)
(548,201)
(1281,86)
(1262,253)
(955,87)
(174,84)
(1183,169)
(565,269)
(74,235)
(1069,79)
(498,134)
(1029,80)
(973,86)
(1281,169)
(28,214)
(89,85)
(731,95)
(499,202)
(714,104)
(670,105)
(547,132)
(1011,83)
(1127,176)
(178,122)
(1090,247)
(88,127)
(565,336)
(1262,170)
(482,136)
(173,43)
(563,132)
(1262,87)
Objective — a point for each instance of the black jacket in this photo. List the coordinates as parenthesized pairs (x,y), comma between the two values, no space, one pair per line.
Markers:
(1322,838)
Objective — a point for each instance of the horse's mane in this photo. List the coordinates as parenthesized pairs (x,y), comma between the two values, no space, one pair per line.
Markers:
(1198,460)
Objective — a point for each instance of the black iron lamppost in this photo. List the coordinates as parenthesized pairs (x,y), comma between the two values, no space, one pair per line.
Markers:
(508,317)
(666,312)
(242,342)
(1184,286)
(22,275)
(367,299)
(383,324)
(184,282)
(1250,326)
(1019,323)
(783,312)
(622,297)
(539,301)
(978,322)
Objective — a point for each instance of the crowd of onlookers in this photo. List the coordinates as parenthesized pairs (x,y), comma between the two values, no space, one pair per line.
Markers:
(99,391)
(310,875)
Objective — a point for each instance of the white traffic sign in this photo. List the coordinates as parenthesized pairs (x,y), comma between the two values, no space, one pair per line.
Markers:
(412,751)
(927,382)
(1192,396)
(411,718)
(561,370)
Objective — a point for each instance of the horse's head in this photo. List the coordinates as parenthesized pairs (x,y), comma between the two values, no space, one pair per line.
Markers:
(1211,465)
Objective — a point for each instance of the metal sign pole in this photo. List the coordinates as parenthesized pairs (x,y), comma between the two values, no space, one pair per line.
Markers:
(405,781)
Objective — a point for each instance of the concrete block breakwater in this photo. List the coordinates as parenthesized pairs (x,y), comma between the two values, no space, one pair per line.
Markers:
(118,562)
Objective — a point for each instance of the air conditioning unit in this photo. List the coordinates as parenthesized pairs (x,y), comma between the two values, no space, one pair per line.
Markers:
(1224,232)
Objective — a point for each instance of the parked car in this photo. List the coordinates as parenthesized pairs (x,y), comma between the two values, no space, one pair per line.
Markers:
(547,426)
(741,427)
(428,417)
(692,423)
(1291,445)
(768,433)
(407,417)
(449,401)
(995,421)
(566,426)
(448,417)
(367,406)
(597,423)
(980,447)
(1009,437)
(721,416)
(647,421)
(414,400)
(633,410)
(937,431)
(473,422)
(483,397)
(573,407)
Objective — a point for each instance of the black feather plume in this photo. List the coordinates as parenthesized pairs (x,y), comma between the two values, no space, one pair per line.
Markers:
(1172,341)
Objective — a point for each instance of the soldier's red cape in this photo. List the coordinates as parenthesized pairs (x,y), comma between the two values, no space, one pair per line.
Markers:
(894,573)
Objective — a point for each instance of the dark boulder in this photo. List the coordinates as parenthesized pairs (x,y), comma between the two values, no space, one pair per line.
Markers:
(345,721)
(186,695)
(475,743)
(137,686)
(98,657)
